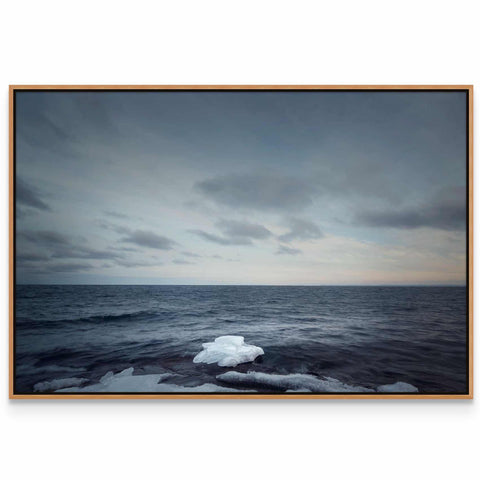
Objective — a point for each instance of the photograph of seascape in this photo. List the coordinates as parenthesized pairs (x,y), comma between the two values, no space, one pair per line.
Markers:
(241,242)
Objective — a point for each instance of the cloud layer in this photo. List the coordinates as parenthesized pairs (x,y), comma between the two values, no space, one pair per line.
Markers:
(301,229)
(145,238)
(29,196)
(445,211)
(235,232)
(270,192)
(293,187)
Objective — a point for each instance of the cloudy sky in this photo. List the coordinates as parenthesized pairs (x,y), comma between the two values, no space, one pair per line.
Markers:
(324,188)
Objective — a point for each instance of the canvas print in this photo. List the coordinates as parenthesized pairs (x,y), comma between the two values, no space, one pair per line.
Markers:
(241,242)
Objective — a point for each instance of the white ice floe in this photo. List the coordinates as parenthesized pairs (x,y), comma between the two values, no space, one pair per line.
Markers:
(126,382)
(228,351)
(294,381)
(58,383)
(298,382)
(399,387)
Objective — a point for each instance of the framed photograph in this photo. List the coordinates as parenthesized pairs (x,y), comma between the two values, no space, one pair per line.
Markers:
(241,242)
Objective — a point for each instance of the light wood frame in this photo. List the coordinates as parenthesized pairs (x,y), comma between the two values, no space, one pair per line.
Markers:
(467,88)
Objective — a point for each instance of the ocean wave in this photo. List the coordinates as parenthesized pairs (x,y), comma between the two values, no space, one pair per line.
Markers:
(47,369)
(29,323)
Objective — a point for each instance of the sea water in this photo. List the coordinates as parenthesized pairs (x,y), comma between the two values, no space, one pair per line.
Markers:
(357,338)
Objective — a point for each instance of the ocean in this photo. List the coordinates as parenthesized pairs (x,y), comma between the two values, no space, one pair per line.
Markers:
(68,337)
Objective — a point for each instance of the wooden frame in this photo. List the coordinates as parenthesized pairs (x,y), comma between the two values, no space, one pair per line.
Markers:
(468,88)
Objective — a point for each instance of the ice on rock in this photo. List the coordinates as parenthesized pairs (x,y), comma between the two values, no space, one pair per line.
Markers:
(58,383)
(126,382)
(228,351)
(292,382)
(398,387)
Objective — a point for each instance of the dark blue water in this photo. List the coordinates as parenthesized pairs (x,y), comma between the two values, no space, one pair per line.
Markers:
(363,336)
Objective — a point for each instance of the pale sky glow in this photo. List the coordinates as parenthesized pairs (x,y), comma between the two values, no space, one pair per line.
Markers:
(322,188)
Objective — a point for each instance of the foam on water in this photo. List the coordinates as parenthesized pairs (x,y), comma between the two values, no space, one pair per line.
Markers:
(228,351)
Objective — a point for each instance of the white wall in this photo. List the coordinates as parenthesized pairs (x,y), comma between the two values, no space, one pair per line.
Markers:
(257,41)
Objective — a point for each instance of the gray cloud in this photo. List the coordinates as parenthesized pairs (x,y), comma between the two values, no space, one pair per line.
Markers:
(30,257)
(284,250)
(110,213)
(68,267)
(221,240)
(125,249)
(142,238)
(445,211)
(63,246)
(258,192)
(40,131)
(48,268)
(106,225)
(235,233)
(191,254)
(29,196)
(76,251)
(22,213)
(148,239)
(137,263)
(183,262)
(235,229)
(45,237)
(301,229)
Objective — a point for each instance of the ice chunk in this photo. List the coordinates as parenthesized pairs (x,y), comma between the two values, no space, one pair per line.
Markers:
(205,388)
(58,383)
(126,382)
(293,381)
(228,351)
(398,387)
